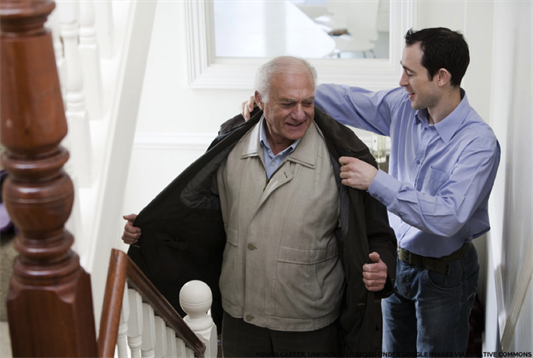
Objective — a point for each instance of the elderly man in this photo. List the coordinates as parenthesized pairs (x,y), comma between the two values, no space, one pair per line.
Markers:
(304,256)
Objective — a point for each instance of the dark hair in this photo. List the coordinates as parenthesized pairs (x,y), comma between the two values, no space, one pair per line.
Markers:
(443,48)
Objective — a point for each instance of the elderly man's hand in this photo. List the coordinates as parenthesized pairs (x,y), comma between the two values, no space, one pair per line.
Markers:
(131,233)
(375,273)
(247,107)
(356,173)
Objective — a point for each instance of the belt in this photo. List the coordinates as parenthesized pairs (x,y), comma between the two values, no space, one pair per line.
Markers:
(432,263)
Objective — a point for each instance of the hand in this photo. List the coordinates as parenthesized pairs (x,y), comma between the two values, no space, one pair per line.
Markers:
(356,173)
(131,233)
(247,108)
(375,274)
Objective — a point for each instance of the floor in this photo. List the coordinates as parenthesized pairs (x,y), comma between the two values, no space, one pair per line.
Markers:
(5,342)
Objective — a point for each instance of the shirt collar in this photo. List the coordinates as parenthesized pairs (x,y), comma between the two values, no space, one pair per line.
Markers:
(264,141)
(449,125)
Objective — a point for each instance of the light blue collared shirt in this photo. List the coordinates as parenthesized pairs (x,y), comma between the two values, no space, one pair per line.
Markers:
(440,176)
(272,162)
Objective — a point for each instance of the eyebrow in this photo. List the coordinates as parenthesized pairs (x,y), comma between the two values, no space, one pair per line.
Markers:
(312,98)
(406,68)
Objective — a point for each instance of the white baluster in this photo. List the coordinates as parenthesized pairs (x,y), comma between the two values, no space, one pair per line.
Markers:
(160,338)
(190,353)
(181,348)
(172,351)
(90,60)
(53,25)
(195,300)
(122,344)
(77,120)
(74,222)
(135,323)
(148,344)
(105,28)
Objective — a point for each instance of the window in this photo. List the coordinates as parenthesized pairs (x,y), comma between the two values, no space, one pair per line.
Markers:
(214,67)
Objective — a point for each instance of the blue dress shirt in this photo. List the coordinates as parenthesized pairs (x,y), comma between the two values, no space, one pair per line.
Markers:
(272,162)
(440,176)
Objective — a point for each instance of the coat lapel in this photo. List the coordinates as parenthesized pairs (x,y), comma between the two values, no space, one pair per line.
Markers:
(305,155)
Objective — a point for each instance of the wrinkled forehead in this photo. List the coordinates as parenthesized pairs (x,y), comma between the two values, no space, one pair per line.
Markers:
(293,81)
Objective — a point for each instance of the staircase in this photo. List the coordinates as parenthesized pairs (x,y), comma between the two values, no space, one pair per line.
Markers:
(74,85)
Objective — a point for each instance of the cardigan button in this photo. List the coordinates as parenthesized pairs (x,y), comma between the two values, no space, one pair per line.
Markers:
(251,247)
(249,317)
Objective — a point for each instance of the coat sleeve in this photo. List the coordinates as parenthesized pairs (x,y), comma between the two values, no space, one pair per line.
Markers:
(381,237)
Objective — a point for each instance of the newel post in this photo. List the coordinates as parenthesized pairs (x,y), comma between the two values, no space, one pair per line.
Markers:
(49,302)
(196,299)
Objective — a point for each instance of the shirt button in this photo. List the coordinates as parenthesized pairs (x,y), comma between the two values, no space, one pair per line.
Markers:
(274,164)
(249,317)
(418,162)
(251,247)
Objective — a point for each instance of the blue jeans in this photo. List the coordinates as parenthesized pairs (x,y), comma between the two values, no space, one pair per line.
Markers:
(429,311)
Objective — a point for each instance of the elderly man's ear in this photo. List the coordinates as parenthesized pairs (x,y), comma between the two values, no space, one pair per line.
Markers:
(258,100)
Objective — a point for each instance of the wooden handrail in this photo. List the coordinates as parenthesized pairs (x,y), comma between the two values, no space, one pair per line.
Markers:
(121,270)
(114,292)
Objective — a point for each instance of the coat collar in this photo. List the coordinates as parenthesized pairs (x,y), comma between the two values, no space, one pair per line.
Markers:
(336,133)
(304,154)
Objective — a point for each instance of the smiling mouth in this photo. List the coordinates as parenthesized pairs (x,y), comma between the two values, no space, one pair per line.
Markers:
(295,125)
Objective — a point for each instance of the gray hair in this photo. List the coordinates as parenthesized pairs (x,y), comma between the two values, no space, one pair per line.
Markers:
(278,65)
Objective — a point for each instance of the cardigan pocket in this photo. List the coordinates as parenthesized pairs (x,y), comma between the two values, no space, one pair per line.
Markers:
(309,282)
(230,277)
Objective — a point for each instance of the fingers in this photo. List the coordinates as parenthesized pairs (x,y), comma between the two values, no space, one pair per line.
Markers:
(130,217)
(374,285)
(374,257)
(375,273)
(129,238)
(349,173)
(347,160)
(131,233)
(247,107)
(251,103)
(244,110)
(356,173)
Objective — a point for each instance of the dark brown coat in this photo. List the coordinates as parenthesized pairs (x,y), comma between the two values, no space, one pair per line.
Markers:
(183,234)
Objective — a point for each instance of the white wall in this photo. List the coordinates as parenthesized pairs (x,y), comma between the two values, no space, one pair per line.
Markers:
(498,84)
(176,123)
(511,238)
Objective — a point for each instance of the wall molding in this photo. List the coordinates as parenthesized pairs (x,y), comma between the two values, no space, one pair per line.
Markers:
(173,141)
(201,141)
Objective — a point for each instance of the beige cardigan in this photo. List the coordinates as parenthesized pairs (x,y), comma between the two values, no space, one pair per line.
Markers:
(281,268)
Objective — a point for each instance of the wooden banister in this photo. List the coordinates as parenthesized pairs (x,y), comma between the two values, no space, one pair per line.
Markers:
(121,270)
(49,303)
(114,292)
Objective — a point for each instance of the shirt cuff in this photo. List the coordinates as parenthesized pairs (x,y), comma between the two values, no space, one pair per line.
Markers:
(384,188)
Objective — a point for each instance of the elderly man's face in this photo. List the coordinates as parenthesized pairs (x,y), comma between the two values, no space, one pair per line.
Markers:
(290,108)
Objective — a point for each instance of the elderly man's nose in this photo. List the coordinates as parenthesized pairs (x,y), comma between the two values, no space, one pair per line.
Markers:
(298,112)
